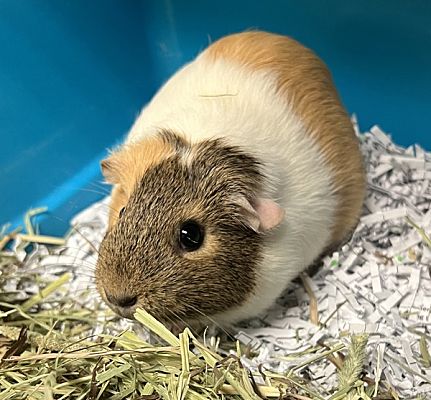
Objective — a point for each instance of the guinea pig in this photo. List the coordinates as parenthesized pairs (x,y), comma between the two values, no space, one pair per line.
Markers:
(234,178)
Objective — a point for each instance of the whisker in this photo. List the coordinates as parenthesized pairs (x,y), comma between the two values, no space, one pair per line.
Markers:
(83,303)
(213,321)
(170,320)
(107,206)
(80,274)
(93,187)
(70,265)
(78,267)
(93,191)
(193,330)
(89,288)
(85,261)
(90,277)
(75,229)
(86,239)
(83,269)
(78,254)
(101,185)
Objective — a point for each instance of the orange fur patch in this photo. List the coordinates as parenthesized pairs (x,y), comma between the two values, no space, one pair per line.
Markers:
(125,168)
(307,84)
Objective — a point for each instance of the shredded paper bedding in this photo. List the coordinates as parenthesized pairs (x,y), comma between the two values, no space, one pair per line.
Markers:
(377,285)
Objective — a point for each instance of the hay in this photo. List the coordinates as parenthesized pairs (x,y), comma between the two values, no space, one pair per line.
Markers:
(47,355)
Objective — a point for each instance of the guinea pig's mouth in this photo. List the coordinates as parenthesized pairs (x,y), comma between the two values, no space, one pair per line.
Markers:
(125,313)
(175,326)
(126,306)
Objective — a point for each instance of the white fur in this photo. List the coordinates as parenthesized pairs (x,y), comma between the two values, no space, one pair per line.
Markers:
(219,99)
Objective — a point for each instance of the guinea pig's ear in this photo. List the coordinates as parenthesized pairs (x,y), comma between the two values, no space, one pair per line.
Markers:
(261,214)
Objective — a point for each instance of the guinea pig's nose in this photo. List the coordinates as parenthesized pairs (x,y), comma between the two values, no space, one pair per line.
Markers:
(122,301)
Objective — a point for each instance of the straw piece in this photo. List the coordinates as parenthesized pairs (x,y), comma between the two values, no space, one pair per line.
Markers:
(156,327)
(117,371)
(423,348)
(45,292)
(314,314)
(32,238)
(184,377)
(29,215)
(353,363)
(421,232)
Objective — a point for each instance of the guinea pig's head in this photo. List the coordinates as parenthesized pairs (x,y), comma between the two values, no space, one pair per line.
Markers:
(186,228)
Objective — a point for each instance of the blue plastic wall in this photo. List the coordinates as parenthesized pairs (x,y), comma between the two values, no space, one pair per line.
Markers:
(74,74)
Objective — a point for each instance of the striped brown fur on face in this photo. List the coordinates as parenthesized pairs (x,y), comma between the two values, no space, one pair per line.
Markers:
(140,255)
(305,82)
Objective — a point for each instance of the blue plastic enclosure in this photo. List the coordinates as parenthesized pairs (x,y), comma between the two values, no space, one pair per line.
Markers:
(74,75)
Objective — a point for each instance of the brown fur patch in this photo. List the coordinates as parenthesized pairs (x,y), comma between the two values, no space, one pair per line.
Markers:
(307,84)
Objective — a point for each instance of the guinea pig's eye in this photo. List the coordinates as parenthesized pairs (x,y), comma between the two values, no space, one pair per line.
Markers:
(122,212)
(191,236)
